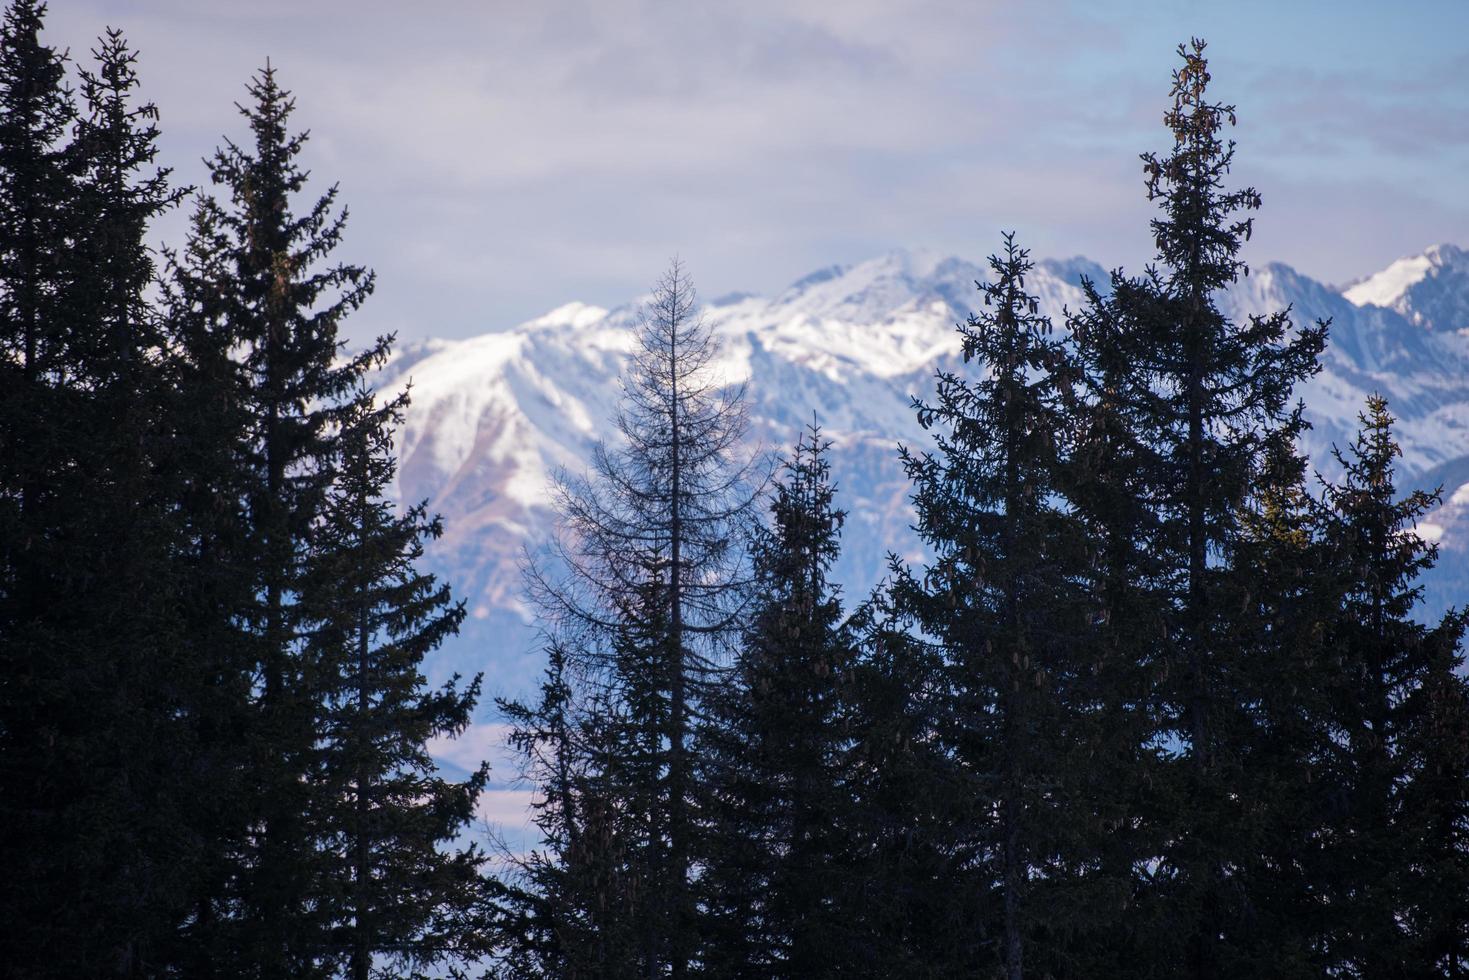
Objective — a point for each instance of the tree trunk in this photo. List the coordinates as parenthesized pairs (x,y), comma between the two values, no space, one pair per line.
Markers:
(1012,699)
(677,773)
(362,931)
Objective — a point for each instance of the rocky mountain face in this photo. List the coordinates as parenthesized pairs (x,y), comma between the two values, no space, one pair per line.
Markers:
(850,347)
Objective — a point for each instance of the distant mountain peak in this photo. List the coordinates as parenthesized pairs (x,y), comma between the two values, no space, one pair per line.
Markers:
(1427,288)
(573,314)
(1071,271)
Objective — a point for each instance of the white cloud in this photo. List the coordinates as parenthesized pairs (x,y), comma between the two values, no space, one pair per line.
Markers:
(507,810)
(480,742)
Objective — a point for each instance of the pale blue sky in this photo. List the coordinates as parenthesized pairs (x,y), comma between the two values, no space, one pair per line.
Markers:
(501,158)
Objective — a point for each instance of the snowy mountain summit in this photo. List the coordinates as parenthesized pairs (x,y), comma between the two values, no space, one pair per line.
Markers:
(493,416)
(1430,290)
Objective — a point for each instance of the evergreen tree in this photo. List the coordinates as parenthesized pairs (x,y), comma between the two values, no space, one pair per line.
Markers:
(38,692)
(1126,578)
(904,901)
(256,289)
(36,189)
(1005,595)
(209,414)
(590,901)
(381,816)
(1200,398)
(1435,816)
(97,761)
(771,749)
(321,845)
(574,905)
(126,640)
(1397,824)
(1279,631)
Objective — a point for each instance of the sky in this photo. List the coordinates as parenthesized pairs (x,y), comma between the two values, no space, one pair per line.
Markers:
(502,158)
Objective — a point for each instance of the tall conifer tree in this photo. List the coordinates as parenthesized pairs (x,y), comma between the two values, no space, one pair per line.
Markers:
(1278,631)
(1005,596)
(646,594)
(271,309)
(1435,816)
(127,640)
(1398,815)
(39,697)
(574,905)
(97,764)
(906,905)
(1200,397)
(209,411)
(35,193)
(771,750)
(392,889)
(1106,483)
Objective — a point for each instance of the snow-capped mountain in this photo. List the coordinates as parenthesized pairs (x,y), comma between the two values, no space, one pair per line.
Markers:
(1431,290)
(850,346)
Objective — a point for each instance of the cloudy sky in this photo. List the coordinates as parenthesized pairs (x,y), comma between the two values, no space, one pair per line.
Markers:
(501,158)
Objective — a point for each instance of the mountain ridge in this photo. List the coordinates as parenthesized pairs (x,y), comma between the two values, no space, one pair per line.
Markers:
(494,416)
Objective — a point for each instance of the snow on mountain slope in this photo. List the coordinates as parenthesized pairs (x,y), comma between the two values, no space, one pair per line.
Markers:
(1385,287)
(1430,290)
(1424,373)
(1448,526)
(494,416)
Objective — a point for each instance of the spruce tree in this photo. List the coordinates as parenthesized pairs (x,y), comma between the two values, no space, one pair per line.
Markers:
(771,749)
(255,286)
(1397,826)
(1125,579)
(36,189)
(1279,631)
(210,416)
(1435,816)
(1200,398)
(126,637)
(574,903)
(1004,595)
(591,900)
(96,759)
(904,901)
(39,694)
(392,889)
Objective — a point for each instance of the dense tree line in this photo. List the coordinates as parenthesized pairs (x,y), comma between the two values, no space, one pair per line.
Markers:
(1154,703)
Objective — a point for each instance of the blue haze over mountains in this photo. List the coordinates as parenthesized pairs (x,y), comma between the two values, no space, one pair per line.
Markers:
(494,415)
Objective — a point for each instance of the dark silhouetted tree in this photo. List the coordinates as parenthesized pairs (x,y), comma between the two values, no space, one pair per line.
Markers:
(40,698)
(642,593)
(1435,815)
(276,312)
(1395,829)
(904,904)
(1198,398)
(96,760)
(1005,595)
(771,750)
(394,888)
